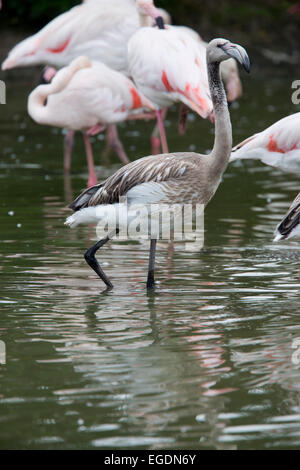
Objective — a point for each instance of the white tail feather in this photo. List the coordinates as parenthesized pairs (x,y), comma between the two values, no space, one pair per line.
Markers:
(84,216)
(91,215)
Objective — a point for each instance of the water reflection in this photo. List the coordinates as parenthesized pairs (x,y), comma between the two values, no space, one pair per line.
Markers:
(204,362)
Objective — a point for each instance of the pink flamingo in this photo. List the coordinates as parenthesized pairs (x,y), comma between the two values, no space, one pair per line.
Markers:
(99,29)
(278,145)
(166,17)
(168,66)
(229,68)
(229,71)
(86,96)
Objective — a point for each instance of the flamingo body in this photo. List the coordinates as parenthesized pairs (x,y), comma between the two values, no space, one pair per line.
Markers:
(85,96)
(92,95)
(168,66)
(97,29)
(278,145)
(229,68)
(148,21)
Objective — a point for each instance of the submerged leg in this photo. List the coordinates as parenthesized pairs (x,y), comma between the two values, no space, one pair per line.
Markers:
(68,149)
(116,144)
(90,160)
(93,263)
(150,280)
(183,114)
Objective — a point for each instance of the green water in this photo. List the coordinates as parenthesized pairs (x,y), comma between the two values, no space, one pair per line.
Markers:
(205,362)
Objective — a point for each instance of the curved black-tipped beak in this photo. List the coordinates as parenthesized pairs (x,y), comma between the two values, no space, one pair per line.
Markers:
(239,53)
(160,22)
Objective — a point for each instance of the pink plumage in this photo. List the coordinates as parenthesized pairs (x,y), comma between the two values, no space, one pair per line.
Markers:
(86,96)
(169,66)
(97,29)
(278,145)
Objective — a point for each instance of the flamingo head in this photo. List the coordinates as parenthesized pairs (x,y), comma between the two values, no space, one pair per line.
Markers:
(220,49)
(147,7)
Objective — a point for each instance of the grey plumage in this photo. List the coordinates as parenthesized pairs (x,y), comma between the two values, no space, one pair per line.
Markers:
(290,221)
(173,178)
(185,170)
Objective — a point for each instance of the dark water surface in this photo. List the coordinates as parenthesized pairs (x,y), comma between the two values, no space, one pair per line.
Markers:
(205,362)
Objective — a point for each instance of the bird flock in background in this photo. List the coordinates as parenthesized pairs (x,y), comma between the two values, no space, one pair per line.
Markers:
(108,61)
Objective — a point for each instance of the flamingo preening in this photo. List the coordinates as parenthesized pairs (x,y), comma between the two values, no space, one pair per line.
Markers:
(86,96)
(278,145)
(101,30)
(166,17)
(181,178)
(98,29)
(168,66)
(229,72)
(229,68)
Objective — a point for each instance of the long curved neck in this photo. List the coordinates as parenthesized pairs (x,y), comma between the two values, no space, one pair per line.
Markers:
(144,19)
(37,107)
(37,101)
(220,154)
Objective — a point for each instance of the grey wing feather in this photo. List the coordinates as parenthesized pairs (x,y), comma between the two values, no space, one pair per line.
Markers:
(156,168)
(291,219)
(82,200)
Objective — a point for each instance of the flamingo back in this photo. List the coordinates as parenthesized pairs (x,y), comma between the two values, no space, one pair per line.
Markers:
(99,30)
(278,145)
(169,66)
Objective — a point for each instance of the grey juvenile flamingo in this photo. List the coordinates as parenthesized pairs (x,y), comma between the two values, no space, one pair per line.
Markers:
(179,178)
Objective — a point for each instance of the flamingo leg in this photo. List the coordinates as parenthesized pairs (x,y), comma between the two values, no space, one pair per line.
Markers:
(68,149)
(183,114)
(150,279)
(155,141)
(92,181)
(93,263)
(162,132)
(115,143)
(141,117)
(155,145)
(96,129)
